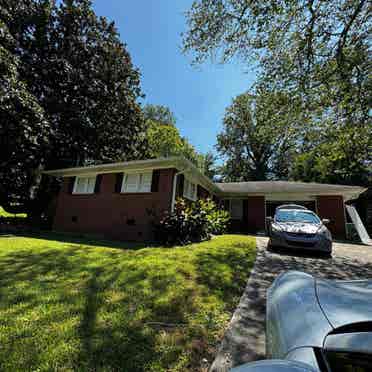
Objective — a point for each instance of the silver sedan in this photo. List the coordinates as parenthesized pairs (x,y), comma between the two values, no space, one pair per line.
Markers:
(298,228)
(317,325)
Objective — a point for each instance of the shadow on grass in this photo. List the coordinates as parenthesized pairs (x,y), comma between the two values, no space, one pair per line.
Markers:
(42,293)
(225,274)
(77,310)
(85,240)
(75,307)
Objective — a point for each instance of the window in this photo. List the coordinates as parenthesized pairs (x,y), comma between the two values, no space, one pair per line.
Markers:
(84,185)
(286,215)
(236,209)
(189,190)
(137,182)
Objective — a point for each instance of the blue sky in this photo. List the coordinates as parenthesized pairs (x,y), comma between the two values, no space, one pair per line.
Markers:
(198,96)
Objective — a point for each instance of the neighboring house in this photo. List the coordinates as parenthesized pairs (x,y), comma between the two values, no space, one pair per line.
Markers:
(122,200)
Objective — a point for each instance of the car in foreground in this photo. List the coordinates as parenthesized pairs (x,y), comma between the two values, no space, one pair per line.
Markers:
(295,227)
(317,325)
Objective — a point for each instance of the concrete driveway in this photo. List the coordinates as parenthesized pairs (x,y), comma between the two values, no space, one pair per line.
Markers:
(244,341)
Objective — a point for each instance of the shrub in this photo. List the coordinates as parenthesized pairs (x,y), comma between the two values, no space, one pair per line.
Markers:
(191,222)
(218,219)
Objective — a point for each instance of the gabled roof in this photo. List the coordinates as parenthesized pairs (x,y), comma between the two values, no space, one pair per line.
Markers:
(234,189)
(179,163)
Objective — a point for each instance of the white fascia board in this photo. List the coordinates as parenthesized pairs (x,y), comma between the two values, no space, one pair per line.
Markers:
(179,163)
(161,163)
(293,196)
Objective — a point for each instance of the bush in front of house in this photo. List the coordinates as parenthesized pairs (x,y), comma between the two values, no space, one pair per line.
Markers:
(219,219)
(191,222)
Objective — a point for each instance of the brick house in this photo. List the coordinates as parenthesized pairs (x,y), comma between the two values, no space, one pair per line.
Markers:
(122,200)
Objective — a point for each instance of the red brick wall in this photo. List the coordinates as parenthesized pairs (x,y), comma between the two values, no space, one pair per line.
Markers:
(332,207)
(255,213)
(106,213)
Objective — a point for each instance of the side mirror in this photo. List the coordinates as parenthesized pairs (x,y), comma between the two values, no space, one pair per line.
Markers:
(326,221)
(269,222)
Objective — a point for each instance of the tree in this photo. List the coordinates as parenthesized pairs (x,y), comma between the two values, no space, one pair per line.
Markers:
(160,114)
(341,161)
(23,129)
(298,36)
(164,139)
(209,167)
(190,153)
(257,136)
(81,76)
(316,50)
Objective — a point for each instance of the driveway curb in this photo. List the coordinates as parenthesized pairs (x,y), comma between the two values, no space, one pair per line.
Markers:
(241,343)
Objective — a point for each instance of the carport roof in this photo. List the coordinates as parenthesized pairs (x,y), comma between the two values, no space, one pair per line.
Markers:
(287,187)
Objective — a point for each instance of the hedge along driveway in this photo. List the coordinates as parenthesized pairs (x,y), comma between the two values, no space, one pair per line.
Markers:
(67,305)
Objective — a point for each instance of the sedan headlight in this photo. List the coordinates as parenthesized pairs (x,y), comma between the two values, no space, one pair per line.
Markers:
(325,232)
(275,228)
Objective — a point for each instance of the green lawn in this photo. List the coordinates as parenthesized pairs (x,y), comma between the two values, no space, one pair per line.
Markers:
(3,213)
(70,305)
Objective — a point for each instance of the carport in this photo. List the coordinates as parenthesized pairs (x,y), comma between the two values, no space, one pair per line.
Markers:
(251,202)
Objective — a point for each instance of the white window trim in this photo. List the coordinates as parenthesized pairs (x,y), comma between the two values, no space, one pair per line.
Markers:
(86,191)
(139,182)
(186,194)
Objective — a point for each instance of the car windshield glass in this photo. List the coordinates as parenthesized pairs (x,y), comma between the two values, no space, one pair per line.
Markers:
(284,215)
(349,362)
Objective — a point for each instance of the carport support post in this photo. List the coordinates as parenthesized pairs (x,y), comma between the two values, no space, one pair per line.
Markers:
(256,214)
(332,207)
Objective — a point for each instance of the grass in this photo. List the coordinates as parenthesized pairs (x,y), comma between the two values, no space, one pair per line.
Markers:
(3,213)
(68,305)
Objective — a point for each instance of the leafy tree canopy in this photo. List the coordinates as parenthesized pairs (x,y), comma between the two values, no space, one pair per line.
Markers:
(160,114)
(164,138)
(318,51)
(257,137)
(23,128)
(209,167)
(79,88)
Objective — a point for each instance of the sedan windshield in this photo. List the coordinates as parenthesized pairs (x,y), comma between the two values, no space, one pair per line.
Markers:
(286,215)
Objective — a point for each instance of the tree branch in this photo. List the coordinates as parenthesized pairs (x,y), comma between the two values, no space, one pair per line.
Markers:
(345,31)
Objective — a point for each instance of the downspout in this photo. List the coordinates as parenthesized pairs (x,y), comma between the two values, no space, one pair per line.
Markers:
(174,189)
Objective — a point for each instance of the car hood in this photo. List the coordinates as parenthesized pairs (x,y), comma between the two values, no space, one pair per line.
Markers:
(292,308)
(299,227)
(345,302)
